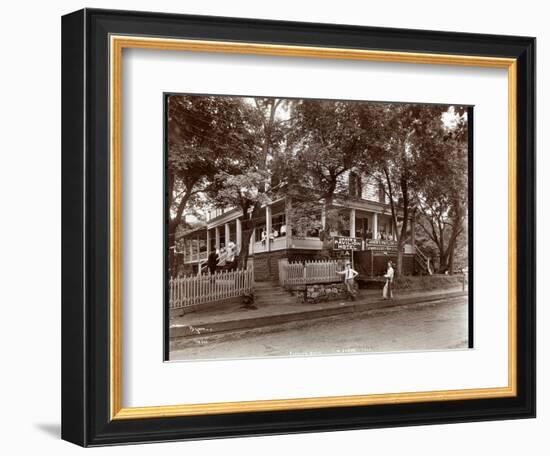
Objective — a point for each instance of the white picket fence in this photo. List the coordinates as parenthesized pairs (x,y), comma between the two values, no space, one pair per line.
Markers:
(200,289)
(309,272)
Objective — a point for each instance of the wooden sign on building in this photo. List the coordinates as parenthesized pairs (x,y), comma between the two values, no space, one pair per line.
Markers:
(346,243)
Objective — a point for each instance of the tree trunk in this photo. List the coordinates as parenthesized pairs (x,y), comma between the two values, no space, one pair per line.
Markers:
(442,261)
(325,232)
(401,233)
(446,255)
(399,266)
(248,227)
(173,262)
(173,258)
(245,246)
(451,258)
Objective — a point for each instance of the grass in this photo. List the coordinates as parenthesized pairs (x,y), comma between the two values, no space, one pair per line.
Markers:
(427,282)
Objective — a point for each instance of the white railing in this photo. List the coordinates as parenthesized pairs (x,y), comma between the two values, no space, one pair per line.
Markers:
(194,257)
(308,272)
(200,289)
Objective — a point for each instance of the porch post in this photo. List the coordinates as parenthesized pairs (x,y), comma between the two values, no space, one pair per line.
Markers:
(268,228)
(375,225)
(226,234)
(288,222)
(207,242)
(217,235)
(413,229)
(352,222)
(239,234)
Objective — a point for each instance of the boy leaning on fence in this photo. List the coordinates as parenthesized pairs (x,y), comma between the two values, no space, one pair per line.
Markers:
(349,279)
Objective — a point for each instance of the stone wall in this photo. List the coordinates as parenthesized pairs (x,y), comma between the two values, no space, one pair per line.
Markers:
(322,292)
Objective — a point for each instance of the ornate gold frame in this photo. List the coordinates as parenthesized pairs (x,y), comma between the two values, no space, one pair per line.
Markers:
(117,44)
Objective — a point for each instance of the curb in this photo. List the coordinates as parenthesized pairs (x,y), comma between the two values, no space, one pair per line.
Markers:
(200,330)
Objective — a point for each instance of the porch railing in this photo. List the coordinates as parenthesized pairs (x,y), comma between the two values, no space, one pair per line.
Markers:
(194,257)
(222,260)
(309,272)
(200,289)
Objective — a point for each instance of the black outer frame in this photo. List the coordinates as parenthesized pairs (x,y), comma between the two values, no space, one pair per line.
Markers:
(85,227)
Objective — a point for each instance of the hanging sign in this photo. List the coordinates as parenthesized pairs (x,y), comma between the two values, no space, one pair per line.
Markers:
(346,243)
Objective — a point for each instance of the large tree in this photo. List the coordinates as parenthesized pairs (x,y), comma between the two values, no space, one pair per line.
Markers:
(249,182)
(443,197)
(329,138)
(203,134)
(409,133)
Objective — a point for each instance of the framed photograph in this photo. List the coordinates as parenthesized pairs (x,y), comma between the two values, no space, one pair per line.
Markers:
(278,227)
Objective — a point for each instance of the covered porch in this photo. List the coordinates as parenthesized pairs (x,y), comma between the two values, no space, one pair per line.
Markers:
(372,227)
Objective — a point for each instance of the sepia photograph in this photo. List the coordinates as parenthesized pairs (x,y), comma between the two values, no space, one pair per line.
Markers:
(313,227)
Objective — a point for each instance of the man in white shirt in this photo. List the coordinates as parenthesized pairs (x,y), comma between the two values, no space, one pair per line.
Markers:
(349,279)
(387,293)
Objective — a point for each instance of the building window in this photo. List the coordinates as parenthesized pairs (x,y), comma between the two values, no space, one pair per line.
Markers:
(381,193)
(212,240)
(260,229)
(202,245)
(362,228)
(355,186)
(278,224)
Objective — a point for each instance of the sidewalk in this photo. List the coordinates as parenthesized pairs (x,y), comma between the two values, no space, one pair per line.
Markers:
(212,322)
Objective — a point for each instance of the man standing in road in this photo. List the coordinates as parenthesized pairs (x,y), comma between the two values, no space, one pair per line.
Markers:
(387,293)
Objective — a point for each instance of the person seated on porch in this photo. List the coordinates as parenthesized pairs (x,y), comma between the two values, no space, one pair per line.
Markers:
(314,232)
(213,260)
(264,237)
(273,235)
(231,255)
(282,230)
(231,248)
